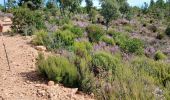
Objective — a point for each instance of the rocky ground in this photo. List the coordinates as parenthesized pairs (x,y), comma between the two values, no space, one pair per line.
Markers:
(23,82)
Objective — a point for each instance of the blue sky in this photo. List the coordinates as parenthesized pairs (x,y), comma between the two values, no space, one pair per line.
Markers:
(131,2)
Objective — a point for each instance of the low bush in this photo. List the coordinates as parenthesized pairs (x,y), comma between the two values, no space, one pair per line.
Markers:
(167,31)
(59,39)
(86,78)
(103,62)
(82,49)
(119,38)
(95,32)
(107,40)
(41,38)
(157,69)
(77,31)
(58,69)
(160,56)
(128,28)
(133,46)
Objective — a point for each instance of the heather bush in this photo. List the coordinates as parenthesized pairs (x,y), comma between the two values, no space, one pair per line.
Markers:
(95,32)
(160,56)
(58,69)
(167,31)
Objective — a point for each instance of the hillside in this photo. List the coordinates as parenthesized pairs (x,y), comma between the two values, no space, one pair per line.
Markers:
(61,50)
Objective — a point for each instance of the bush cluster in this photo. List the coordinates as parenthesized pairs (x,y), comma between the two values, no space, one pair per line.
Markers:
(26,23)
(58,39)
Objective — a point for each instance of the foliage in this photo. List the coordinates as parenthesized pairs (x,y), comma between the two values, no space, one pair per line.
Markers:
(32,4)
(167,31)
(86,81)
(104,62)
(82,49)
(26,23)
(92,15)
(50,4)
(59,39)
(62,39)
(95,32)
(41,38)
(58,69)
(157,69)
(160,56)
(133,46)
(119,38)
(89,5)
(109,10)
(77,31)
(107,40)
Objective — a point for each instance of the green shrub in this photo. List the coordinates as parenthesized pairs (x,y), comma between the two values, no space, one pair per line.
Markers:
(128,28)
(167,31)
(104,62)
(95,32)
(160,56)
(77,31)
(26,23)
(59,39)
(107,40)
(133,46)
(159,70)
(58,69)
(62,21)
(110,32)
(82,49)
(66,38)
(67,27)
(41,38)
(119,38)
(87,82)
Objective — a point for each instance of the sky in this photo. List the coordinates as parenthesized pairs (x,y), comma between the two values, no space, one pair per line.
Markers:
(131,2)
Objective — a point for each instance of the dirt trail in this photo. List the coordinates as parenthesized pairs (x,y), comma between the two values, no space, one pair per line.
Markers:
(23,82)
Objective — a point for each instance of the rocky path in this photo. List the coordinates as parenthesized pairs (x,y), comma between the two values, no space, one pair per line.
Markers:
(22,82)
